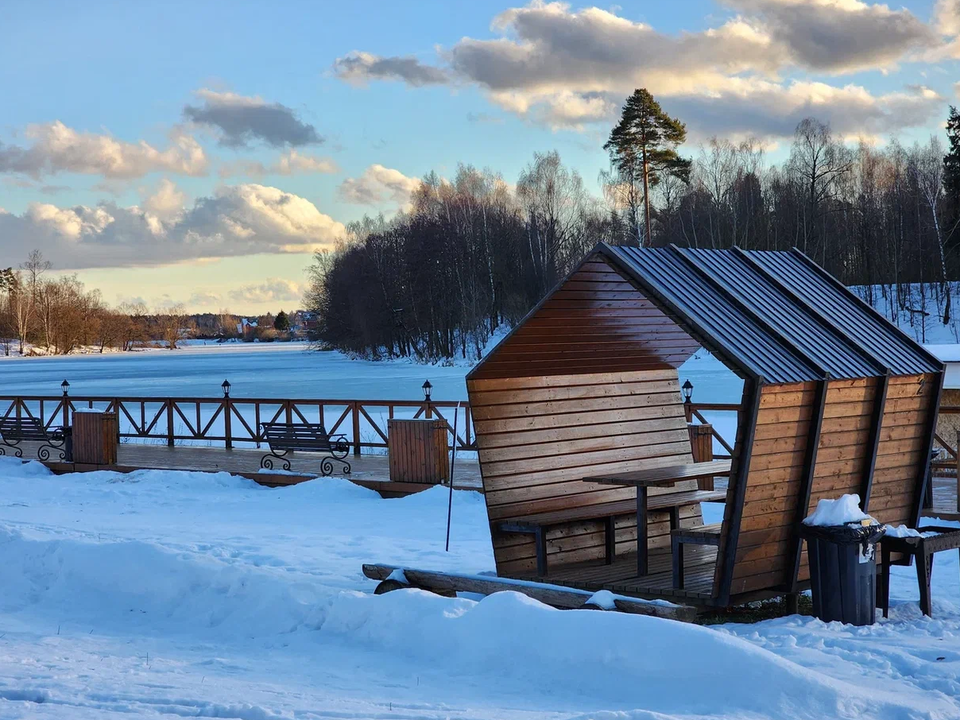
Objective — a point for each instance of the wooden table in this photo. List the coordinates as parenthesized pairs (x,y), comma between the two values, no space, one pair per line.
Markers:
(657,477)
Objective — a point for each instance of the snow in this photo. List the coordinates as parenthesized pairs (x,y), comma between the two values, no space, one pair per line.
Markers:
(603,599)
(172,594)
(900,531)
(830,513)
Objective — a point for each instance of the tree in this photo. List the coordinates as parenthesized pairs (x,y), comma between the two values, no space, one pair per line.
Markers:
(951,175)
(281,323)
(642,148)
(173,325)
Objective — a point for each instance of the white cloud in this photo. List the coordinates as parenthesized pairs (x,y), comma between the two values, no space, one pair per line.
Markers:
(379,185)
(567,68)
(167,202)
(272,290)
(241,119)
(289,163)
(236,220)
(57,148)
(204,299)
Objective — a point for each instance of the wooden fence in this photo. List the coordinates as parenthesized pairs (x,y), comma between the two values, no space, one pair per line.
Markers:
(235,422)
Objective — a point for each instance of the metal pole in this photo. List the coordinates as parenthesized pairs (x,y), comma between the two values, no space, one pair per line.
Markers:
(453,462)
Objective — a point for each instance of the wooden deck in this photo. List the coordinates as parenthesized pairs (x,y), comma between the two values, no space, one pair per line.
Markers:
(367,467)
(621,576)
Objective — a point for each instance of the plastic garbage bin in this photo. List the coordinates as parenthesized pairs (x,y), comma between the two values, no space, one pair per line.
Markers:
(843,571)
(67,433)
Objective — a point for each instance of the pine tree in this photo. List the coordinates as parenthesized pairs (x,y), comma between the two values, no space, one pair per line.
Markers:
(951,177)
(643,147)
(281,323)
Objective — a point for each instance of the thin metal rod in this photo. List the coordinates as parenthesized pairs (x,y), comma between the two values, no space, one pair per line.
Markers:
(453,463)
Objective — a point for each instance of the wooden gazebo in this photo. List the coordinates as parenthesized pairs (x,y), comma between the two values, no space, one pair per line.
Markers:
(835,400)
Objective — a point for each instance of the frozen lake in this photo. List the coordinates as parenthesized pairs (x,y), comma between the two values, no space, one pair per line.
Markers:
(282,370)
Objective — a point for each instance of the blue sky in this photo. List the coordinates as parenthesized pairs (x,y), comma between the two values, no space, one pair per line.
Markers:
(196,151)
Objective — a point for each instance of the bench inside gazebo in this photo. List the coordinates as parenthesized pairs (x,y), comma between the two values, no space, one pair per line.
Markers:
(585,456)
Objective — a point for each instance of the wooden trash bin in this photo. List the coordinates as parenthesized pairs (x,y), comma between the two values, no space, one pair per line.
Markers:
(701,445)
(95,437)
(418,451)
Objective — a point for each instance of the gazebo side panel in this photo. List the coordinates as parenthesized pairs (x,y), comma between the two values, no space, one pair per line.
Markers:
(595,321)
(904,444)
(538,436)
(777,464)
(843,454)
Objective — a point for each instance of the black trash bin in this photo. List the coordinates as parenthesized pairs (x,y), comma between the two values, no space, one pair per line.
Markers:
(843,571)
(67,443)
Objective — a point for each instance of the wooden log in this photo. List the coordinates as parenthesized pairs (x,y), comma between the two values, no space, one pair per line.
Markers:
(554,595)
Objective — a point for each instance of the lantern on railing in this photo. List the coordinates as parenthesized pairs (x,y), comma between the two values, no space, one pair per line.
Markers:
(226,388)
(65,386)
(687,391)
(427,388)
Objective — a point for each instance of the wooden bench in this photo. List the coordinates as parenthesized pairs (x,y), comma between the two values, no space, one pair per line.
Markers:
(14,430)
(284,438)
(921,549)
(538,524)
(696,535)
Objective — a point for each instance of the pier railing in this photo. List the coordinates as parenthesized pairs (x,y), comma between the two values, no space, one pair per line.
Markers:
(236,422)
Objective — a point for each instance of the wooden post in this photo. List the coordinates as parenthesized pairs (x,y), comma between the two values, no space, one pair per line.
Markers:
(227,428)
(356,428)
(169,423)
(701,446)
(958,471)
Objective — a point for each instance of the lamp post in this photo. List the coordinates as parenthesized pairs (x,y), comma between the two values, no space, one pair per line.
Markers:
(687,388)
(427,389)
(226,388)
(65,386)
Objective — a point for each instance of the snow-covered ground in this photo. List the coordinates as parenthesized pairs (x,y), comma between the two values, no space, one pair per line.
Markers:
(189,595)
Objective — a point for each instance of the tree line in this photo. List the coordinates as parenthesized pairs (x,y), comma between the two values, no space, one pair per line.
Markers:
(474,252)
(41,314)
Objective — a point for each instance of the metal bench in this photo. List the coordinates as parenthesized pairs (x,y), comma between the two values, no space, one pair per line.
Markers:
(696,535)
(284,438)
(539,523)
(921,549)
(15,430)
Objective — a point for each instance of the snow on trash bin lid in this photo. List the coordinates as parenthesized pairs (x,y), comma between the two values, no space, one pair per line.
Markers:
(833,513)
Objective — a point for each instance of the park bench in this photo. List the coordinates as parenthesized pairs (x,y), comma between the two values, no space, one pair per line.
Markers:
(284,438)
(15,430)
(538,524)
(935,539)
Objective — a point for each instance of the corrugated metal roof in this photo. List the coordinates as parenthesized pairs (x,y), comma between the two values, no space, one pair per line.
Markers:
(773,315)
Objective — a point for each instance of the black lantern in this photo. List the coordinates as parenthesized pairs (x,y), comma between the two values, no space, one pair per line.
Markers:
(427,387)
(65,386)
(226,388)
(687,391)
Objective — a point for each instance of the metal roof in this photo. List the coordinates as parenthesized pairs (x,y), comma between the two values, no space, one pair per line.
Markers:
(772,315)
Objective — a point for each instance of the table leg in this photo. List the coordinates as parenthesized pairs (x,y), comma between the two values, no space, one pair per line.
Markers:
(641,531)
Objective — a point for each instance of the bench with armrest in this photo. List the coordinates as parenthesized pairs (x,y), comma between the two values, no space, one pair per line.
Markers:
(308,437)
(15,430)
(539,523)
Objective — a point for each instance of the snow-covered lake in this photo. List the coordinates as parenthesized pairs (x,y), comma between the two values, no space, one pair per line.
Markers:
(276,370)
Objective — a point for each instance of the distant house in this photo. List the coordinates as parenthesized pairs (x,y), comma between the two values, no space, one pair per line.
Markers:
(304,323)
(247,329)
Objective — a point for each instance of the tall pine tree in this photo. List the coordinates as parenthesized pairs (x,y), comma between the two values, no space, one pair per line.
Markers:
(643,147)
(951,177)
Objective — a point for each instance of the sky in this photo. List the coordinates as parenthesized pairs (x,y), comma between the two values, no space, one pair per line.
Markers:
(200,152)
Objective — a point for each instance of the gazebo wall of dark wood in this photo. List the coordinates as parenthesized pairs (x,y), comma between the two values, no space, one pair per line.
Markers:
(835,400)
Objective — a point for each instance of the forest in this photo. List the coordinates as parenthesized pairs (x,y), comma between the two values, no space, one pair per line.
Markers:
(477,251)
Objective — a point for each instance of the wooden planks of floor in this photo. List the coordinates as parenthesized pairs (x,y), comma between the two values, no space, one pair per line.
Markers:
(621,576)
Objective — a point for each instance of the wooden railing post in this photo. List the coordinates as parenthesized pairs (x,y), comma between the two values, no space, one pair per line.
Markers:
(958,471)
(356,428)
(170,423)
(227,425)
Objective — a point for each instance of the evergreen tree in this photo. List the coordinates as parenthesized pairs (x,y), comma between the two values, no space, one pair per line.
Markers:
(643,146)
(951,176)
(281,323)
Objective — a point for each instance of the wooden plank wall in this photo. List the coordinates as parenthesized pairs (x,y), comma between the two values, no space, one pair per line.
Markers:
(773,486)
(538,436)
(903,443)
(595,322)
